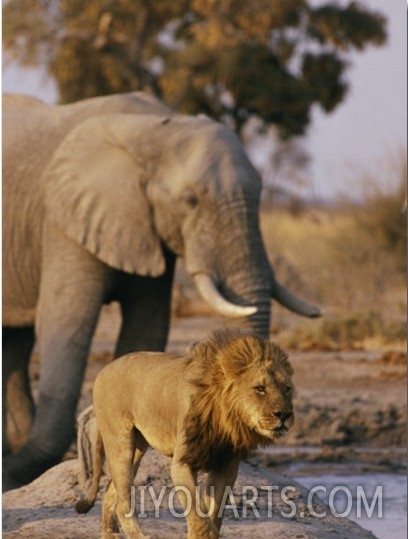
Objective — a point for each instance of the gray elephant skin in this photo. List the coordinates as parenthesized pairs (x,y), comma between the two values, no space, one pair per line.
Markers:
(99,198)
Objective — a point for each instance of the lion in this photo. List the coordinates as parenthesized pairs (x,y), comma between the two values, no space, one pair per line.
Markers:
(206,411)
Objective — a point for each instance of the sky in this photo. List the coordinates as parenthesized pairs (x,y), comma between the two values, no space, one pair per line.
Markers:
(368,131)
(364,135)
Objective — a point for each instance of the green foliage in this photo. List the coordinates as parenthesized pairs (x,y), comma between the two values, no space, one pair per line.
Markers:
(229,58)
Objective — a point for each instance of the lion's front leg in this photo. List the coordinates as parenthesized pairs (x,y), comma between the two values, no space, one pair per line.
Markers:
(199,525)
(216,485)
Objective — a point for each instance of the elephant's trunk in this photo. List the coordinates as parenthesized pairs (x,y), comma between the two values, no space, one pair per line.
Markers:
(259,311)
(226,257)
(245,280)
(291,302)
(233,274)
(254,290)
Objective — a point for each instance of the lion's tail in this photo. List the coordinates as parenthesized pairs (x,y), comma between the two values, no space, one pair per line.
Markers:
(91,457)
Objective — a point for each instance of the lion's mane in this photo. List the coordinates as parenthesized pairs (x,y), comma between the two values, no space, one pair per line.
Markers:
(214,428)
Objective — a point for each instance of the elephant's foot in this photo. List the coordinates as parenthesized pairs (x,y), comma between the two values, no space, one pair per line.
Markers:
(8,481)
(52,432)
(21,468)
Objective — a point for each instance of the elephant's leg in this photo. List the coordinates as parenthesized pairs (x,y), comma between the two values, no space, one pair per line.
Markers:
(145,304)
(18,404)
(72,291)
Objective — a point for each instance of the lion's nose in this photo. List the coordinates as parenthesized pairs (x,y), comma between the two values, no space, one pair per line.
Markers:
(283,416)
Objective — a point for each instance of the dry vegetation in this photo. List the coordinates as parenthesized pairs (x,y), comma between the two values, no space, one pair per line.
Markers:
(349,258)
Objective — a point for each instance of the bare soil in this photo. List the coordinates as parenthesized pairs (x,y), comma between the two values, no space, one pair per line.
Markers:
(350,409)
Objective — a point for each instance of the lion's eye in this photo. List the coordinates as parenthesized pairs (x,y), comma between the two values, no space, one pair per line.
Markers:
(192,200)
(261,390)
(288,389)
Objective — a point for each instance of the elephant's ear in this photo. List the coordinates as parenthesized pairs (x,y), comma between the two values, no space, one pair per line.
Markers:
(95,192)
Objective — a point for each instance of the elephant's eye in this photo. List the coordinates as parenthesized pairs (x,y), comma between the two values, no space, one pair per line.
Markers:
(192,200)
(261,390)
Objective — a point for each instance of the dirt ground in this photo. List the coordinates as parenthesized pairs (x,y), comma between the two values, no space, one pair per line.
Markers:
(350,409)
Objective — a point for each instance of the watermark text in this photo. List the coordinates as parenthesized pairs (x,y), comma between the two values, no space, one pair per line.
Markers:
(256,502)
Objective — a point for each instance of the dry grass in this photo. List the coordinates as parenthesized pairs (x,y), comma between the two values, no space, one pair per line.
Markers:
(354,331)
(351,259)
(339,259)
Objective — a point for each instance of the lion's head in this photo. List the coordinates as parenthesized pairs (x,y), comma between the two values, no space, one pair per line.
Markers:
(242,397)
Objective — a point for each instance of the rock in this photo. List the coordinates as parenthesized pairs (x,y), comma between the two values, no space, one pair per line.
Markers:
(263,504)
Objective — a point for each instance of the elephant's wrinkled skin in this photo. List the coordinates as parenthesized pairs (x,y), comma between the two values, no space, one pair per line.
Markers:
(99,198)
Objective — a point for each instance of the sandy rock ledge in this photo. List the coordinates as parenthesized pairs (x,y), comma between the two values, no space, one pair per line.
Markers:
(44,509)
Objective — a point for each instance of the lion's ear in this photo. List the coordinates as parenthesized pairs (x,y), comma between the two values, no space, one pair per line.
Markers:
(277,351)
(288,367)
(234,361)
(191,347)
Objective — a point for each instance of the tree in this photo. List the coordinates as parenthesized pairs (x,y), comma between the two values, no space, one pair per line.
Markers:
(231,59)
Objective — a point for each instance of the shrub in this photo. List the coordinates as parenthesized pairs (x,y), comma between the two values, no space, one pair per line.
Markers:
(349,331)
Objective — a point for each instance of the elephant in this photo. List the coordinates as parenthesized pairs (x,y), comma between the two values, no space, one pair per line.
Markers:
(100,197)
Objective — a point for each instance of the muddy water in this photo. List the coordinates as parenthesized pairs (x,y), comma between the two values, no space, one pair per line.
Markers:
(391,499)
(369,487)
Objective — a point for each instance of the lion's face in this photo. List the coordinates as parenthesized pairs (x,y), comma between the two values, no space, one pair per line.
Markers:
(262,388)
(242,397)
(267,405)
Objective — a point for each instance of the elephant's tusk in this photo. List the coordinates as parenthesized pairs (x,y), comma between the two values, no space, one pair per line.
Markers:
(208,291)
(291,302)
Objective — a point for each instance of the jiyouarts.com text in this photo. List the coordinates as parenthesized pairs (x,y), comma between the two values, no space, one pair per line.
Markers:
(258,502)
